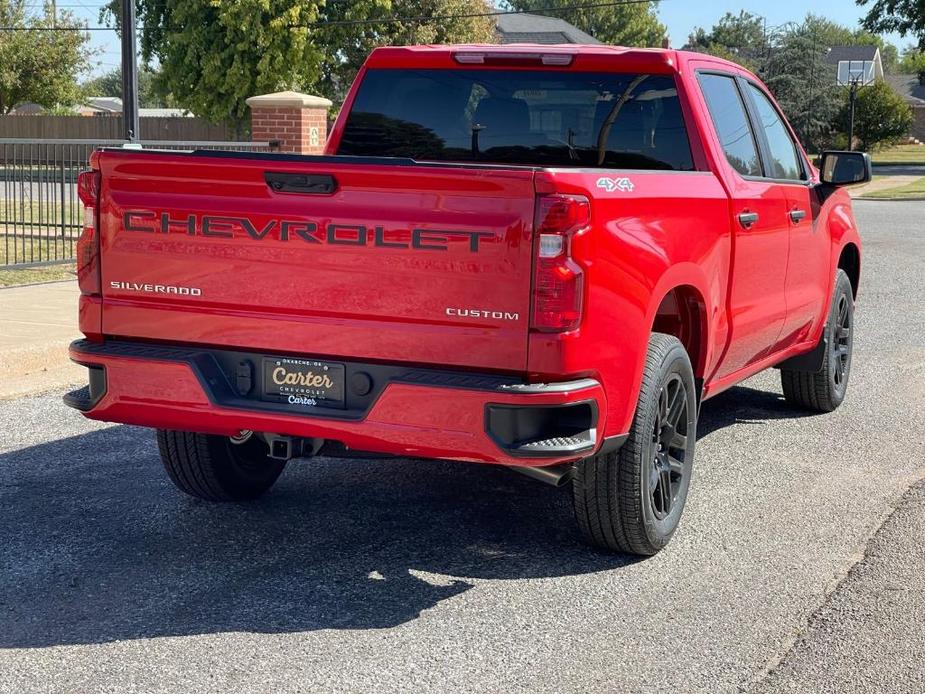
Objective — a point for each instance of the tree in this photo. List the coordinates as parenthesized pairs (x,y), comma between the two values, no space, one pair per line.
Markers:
(792,62)
(833,34)
(803,83)
(744,39)
(739,38)
(619,25)
(345,46)
(881,116)
(214,55)
(36,63)
(889,56)
(902,16)
(912,62)
(110,84)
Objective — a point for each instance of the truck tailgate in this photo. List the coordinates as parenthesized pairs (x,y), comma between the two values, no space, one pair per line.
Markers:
(318,256)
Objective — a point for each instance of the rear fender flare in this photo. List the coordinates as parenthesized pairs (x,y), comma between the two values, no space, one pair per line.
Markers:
(680,275)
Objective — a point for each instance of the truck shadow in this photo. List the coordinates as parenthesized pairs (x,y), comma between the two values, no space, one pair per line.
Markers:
(98,546)
(744,405)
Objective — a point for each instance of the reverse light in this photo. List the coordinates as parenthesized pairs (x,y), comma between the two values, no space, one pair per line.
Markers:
(558,285)
(88,245)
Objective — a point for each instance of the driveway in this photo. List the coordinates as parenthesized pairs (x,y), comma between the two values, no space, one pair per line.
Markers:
(413,576)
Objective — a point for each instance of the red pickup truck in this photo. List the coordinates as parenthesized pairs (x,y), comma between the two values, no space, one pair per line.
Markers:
(543,257)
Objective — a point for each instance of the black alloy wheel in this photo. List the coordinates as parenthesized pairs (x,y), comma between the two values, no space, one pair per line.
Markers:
(669,448)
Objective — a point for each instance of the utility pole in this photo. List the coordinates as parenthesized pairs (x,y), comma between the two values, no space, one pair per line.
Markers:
(129,73)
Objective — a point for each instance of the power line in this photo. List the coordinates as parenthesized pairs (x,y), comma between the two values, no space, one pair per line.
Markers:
(66,6)
(391,20)
(58,28)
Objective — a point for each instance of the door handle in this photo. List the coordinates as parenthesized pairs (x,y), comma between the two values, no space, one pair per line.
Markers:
(748,219)
(796,216)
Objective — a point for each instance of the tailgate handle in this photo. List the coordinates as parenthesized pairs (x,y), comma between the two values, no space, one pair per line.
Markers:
(310,184)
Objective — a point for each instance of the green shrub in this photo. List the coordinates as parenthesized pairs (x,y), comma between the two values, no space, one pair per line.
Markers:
(881,117)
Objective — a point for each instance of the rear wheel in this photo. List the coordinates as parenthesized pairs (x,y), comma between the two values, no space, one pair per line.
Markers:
(218,468)
(825,390)
(631,500)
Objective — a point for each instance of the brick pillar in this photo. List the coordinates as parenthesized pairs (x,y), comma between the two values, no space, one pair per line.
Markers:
(299,122)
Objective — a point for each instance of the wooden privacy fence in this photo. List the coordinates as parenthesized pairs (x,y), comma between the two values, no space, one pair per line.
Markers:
(41,127)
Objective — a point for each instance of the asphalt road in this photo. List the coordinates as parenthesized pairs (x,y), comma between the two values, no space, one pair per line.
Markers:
(435,577)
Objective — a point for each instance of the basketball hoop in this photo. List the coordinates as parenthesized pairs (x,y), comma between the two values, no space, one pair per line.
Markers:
(854,74)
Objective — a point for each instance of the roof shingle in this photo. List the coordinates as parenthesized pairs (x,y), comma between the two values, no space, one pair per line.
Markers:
(839,53)
(908,87)
(534,28)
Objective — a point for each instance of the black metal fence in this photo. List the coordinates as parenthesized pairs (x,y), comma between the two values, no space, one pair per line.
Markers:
(40,214)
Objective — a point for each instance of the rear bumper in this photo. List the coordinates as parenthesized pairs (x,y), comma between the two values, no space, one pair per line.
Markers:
(410,412)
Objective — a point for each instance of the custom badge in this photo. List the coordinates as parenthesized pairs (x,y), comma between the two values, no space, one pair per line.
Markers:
(624,185)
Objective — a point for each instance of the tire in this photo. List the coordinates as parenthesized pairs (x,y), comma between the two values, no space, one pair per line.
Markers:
(216,469)
(631,500)
(825,390)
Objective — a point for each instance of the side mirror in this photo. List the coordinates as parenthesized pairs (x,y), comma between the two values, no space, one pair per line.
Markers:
(845,168)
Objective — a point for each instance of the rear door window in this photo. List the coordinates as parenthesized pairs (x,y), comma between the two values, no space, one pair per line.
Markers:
(727,110)
(541,117)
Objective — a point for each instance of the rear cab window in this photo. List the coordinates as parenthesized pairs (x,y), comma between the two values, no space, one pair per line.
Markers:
(521,117)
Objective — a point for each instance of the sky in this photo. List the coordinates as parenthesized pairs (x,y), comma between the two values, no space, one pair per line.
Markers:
(680,16)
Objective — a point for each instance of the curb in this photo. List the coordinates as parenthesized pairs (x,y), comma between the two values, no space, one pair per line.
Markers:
(901,199)
(911,164)
(39,322)
(27,361)
(37,369)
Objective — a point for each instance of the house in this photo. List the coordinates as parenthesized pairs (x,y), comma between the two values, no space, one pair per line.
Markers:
(27,108)
(163,113)
(855,54)
(112,106)
(912,89)
(100,106)
(534,28)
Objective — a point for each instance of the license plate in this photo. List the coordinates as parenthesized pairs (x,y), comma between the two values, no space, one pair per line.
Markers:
(303,382)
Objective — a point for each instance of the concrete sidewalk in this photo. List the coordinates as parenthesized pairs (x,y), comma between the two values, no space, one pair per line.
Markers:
(36,324)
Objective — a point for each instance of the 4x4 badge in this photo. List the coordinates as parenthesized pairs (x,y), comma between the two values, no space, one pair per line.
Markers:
(611,184)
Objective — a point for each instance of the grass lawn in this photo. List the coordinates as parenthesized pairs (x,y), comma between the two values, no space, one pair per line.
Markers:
(31,213)
(901,154)
(20,250)
(915,189)
(51,273)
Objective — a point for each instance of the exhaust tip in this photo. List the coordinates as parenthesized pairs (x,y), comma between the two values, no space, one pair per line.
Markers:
(555,475)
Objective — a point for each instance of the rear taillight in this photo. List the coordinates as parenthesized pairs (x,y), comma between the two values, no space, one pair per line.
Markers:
(559,281)
(88,245)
